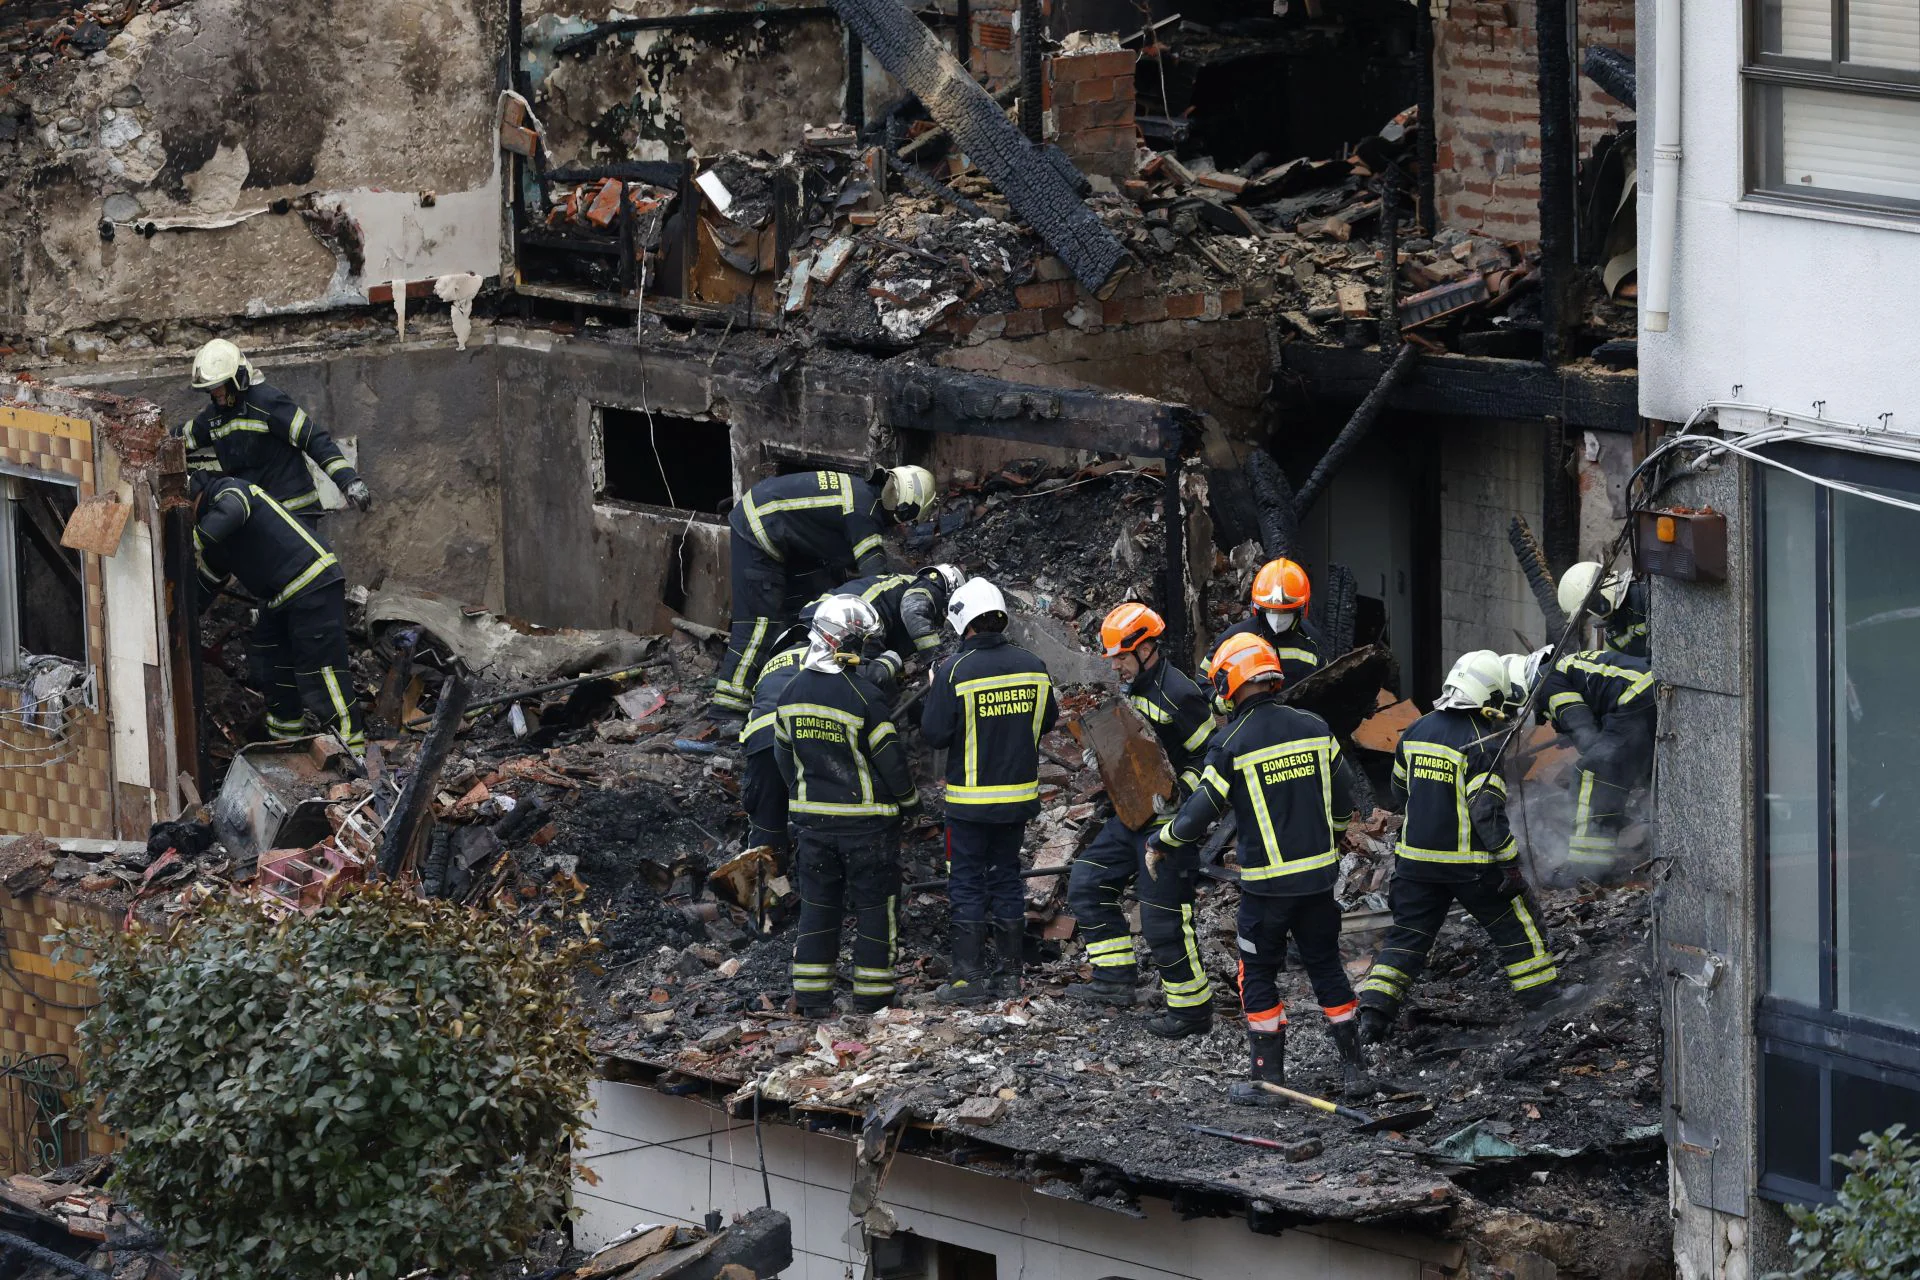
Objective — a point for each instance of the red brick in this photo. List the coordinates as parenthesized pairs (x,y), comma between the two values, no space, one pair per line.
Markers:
(1113,311)
(1024,324)
(1146,310)
(1095,115)
(1233,301)
(1119,62)
(1054,317)
(1186,306)
(1100,90)
(1048,293)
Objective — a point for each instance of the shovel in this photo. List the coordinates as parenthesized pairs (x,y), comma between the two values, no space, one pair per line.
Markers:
(1363,1123)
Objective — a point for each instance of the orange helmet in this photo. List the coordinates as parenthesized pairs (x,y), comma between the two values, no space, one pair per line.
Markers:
(1128,627)
(1281,585)
(1241,658)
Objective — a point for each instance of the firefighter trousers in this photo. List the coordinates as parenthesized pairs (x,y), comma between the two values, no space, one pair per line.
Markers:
(983,871)
(1263,927)
(1166,925)
(1419,909)
(842,874)
(1101,876)
(1621,761)
(759,591)
(300,649)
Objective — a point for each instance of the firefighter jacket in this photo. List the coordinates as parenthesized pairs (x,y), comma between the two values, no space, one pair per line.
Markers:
(1181,716)
(824,518)
(245,534)
(266,439)
(1281,772)
(1583,690)
(757,734)
(988,706)
(912,606)
(1298,647)
(841,757)
(1627,624)
(1446,772)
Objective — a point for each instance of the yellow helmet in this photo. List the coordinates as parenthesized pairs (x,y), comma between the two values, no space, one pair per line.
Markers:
(907,493)
(219,361)
(1583,580)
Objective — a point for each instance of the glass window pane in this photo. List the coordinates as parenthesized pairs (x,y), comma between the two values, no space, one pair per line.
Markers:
(1862,1106)
(1876,725)
(1797,28)
(1792,769)
(1884,33)
(1850,146)
(1790,1124)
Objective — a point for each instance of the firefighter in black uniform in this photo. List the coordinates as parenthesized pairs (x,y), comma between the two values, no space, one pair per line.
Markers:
(763,792)
(794,537)
(1280,595)
(987,706)
(1456,846)
(1618,604)
(849,788)
(299,641)
(912,606)
(262,437)
(1182,719)
(1603,701)
(1280,771)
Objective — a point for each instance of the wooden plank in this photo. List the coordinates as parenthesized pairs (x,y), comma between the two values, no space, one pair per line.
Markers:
(1472,386)
(96,524)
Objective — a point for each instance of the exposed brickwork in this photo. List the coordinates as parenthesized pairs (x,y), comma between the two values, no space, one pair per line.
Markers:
(1487,108)
(30,1026)
(1088,98)
(1051,305)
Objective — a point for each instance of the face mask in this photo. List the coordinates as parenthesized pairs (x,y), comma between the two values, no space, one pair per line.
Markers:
(1279,619)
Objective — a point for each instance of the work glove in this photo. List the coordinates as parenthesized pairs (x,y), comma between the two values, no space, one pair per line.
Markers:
(360,496)
(1155,855)
(1510,883)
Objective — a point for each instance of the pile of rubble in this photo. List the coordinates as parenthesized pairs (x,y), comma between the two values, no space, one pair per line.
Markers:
(66,1216)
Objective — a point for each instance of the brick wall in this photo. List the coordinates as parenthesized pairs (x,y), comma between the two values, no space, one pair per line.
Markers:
(1088,98)
(995,52)
(1487,107)
(41,1008)
(1489,472)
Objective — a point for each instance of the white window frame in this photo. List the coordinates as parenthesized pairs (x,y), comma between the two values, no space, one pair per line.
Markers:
(10,478)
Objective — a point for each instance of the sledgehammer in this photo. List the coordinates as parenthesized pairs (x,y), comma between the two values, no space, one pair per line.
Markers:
(1363,1123)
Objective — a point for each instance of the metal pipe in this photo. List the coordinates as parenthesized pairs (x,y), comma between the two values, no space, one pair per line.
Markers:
(1656,281)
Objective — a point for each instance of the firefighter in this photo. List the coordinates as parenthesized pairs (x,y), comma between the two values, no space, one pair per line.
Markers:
(987,706)
(763,792)
(1455,846)
(261,437)
(849,787)
(1280,595)
(912,606)
(1603,701)
(793,537)
(1183,721)
(1280,771)
(299,640)
(1617,603)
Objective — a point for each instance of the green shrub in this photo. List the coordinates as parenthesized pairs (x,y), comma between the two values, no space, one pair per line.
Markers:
(388,1084)
(1872,1232)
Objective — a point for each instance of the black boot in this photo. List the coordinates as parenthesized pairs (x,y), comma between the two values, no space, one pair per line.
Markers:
(867,1006)
(1010,944)
(1108,986)
(1354,1081)
(967,984)
(1374,1024)
(815,1004)
(1173,1024)
(1553,998)
(1268,1052)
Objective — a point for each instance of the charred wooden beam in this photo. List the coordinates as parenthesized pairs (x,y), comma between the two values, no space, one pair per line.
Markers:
(1032,183)
(1470,386)
(1356,429)
(922,399)
(1559,144)
(1539,573)
(411,810)
(1033,34)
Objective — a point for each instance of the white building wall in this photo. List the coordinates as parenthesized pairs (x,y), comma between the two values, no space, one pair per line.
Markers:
(1792,307)
(651,1155)
(1489,472)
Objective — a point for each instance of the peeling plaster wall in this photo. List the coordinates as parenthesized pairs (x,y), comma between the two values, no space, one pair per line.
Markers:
(656,94)
(422,424)
(218,108)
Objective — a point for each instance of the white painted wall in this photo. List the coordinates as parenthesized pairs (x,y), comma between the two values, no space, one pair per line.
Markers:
(651,1154)
(1793,307)
(1489,472)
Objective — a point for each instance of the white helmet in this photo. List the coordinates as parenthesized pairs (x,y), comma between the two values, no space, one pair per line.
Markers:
(841,623)
(977,599)
(1581,581)
(950,576)
(907,493)
(1478,682)
(219,361)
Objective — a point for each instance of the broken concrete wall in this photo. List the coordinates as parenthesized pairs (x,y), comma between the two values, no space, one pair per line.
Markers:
(1487,108)
(215,110)
(658,94)
(1490,471)
(422,426)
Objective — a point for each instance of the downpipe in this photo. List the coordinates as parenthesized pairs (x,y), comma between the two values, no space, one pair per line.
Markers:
(1656,277)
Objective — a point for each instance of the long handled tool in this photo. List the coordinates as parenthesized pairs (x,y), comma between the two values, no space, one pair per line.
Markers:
(1363,1123)
(1252,1140)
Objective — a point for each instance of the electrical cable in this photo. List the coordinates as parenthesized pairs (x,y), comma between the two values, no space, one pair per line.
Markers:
(766,1187)
(13,976)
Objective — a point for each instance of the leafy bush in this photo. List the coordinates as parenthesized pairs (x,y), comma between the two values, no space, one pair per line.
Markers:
(1872,1232)
(386,1085)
